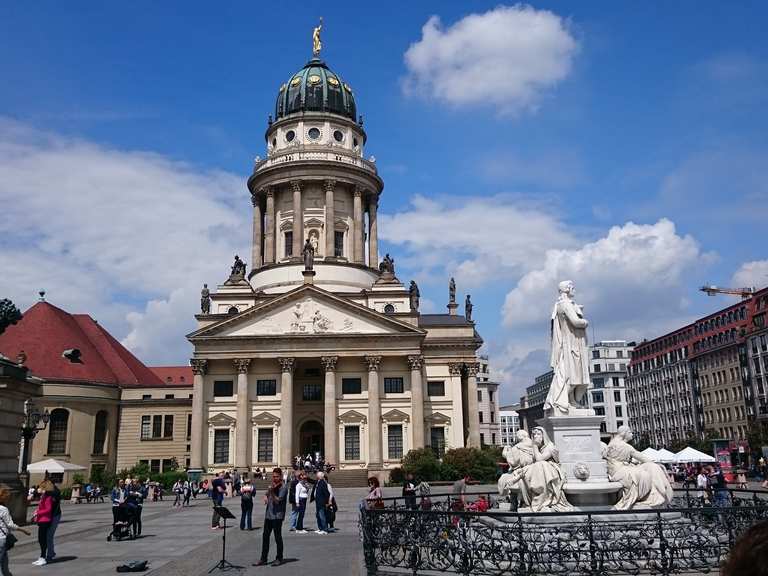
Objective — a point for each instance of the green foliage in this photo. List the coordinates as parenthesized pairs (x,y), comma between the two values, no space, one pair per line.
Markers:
(9,314)
(168,479)
(423,464)
(78,479)
(396,476)
(173,465)
(100,477)
(478,464)
(141,471)
(757,436)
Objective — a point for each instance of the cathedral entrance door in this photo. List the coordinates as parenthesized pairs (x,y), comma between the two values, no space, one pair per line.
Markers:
(311,438)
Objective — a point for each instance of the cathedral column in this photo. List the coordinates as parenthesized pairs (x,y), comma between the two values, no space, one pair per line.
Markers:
(373,240)
(457,397)
(473,407)
(417,400)
(199,367)
(286,411)
(331,430)
(243,430)
(357,214)
(269,224)
(374,413)
(330,219)
(256,247)
(298,220)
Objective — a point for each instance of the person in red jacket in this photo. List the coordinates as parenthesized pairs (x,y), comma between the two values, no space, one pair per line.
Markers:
(43,518)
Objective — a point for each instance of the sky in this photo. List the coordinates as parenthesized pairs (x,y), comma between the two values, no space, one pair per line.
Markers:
(618,145)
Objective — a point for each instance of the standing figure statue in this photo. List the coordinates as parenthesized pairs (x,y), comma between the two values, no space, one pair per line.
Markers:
(317,44)
(309,255)
(238,269)
(644,483)
(569,358)
(452,291)
(414,294)
(205,300)
(468,308)
(387,265)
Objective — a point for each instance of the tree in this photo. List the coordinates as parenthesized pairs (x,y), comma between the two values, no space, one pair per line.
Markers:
(9,314)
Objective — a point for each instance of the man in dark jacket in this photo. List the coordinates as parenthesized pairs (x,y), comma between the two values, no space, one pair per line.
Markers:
(322,501)
(275,499)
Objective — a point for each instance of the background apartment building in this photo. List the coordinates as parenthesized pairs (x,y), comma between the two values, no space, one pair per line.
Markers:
(608,372)
(488,405)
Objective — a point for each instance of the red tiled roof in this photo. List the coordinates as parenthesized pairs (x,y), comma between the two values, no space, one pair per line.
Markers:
(179,375)
(46,331)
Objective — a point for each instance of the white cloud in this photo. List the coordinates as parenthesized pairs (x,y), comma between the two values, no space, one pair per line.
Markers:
(635,273)
(128,237)
(476,239)
(751,274)
(507,57)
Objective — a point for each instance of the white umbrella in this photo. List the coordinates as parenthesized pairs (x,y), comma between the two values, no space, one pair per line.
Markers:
(54,466)
(665,456)
(692,455)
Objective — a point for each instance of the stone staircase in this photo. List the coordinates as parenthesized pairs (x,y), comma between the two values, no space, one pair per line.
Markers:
(339,479)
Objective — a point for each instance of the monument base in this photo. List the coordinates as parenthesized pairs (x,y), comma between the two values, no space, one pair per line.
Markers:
(309,276)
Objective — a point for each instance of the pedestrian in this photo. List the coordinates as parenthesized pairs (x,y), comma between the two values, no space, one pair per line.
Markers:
(246,505)
(117,497)
(702,485)
(301,499)
(322,501)
(177,491)
(134,505)
(741,478)
(719,486)
(55,495)
(217,497)
(294,475)
(373,498)
(409,491)
(187,491)
(43,517)
(274,499)
(7,526)
(331,508)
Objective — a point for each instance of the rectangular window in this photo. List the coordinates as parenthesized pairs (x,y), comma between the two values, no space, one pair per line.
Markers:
(338,243)
(617,395)
(288,244)
(168,426)
(265,444)
(266,387)
(611,367)
(170,396)
(352,442)
(616,381)
(395,441)
(157,426)
(493,417)
(437,440)
(146,396)
(599,411)
(189,426)
(479,395)
(154,466)
(222,388)
(493,439)
(393,385)
(146,427)
(598,382)
(436,388)
(597,397)
(482,439)
(312,392)
(619,354)
(220,446)
(481,417)
(351,386)
(169,465)
(619,411)
(595,354)
(596,368)
(490,397)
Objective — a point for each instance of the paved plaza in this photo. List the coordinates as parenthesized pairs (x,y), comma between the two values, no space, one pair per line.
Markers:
(180,541)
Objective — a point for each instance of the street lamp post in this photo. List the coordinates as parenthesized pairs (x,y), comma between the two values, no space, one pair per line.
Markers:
(34,422)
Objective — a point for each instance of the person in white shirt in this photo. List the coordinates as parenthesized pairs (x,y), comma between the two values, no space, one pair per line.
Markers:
(302,494)
(702,485)
(6,526)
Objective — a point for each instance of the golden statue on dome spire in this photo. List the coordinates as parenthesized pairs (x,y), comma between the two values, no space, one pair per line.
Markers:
(317,44)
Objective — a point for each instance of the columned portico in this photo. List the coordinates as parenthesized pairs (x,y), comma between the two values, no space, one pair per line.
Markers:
(269,224)
(374,413)
(286,411)
(417,400)
(373,233)
(358,230)
(330,219)
(256,258)
(199,367)
(331,441)
(473,405)
(243,426)
(298,220)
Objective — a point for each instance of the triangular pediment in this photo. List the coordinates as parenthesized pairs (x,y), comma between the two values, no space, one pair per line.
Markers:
(437,418)
(353,417)
(221,419)
(395,415)
(265,419)
(306,311)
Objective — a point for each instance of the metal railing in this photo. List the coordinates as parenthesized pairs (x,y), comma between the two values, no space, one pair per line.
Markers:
(407,537)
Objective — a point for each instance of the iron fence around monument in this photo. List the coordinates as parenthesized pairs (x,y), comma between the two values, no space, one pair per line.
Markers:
(688,537)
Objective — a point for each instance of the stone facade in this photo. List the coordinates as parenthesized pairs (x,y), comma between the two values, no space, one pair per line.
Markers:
(488,404)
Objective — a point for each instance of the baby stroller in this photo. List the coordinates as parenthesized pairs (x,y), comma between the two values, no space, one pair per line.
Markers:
(121,528)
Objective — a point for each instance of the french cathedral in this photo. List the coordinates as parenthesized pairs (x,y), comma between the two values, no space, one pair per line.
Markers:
(320,347)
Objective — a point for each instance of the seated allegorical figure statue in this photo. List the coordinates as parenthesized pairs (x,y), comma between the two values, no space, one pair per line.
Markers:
(644,483)
(535,473)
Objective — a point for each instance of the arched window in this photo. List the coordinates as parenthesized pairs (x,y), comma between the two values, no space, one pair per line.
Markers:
(57,431)
(100,432)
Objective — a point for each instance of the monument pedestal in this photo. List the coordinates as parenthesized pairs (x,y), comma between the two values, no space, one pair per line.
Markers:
(577,437)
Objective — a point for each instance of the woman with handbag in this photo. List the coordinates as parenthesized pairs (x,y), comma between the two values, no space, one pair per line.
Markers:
(7,525)
(43,517)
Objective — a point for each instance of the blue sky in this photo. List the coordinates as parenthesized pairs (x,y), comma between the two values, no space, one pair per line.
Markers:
(622,145)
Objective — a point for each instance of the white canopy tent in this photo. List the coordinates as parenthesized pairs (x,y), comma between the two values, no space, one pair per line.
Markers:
(652,453)
(689,454)
(53,466)
(664,456)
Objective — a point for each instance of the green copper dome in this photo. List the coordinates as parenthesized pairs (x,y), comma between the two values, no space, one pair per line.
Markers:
(315,88)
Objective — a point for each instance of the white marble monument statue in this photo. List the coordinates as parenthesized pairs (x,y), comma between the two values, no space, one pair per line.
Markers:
(535,473)
(569,358)
(644,483)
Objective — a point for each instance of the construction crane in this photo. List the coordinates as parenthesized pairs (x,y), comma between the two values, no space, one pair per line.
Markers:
(745,293)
